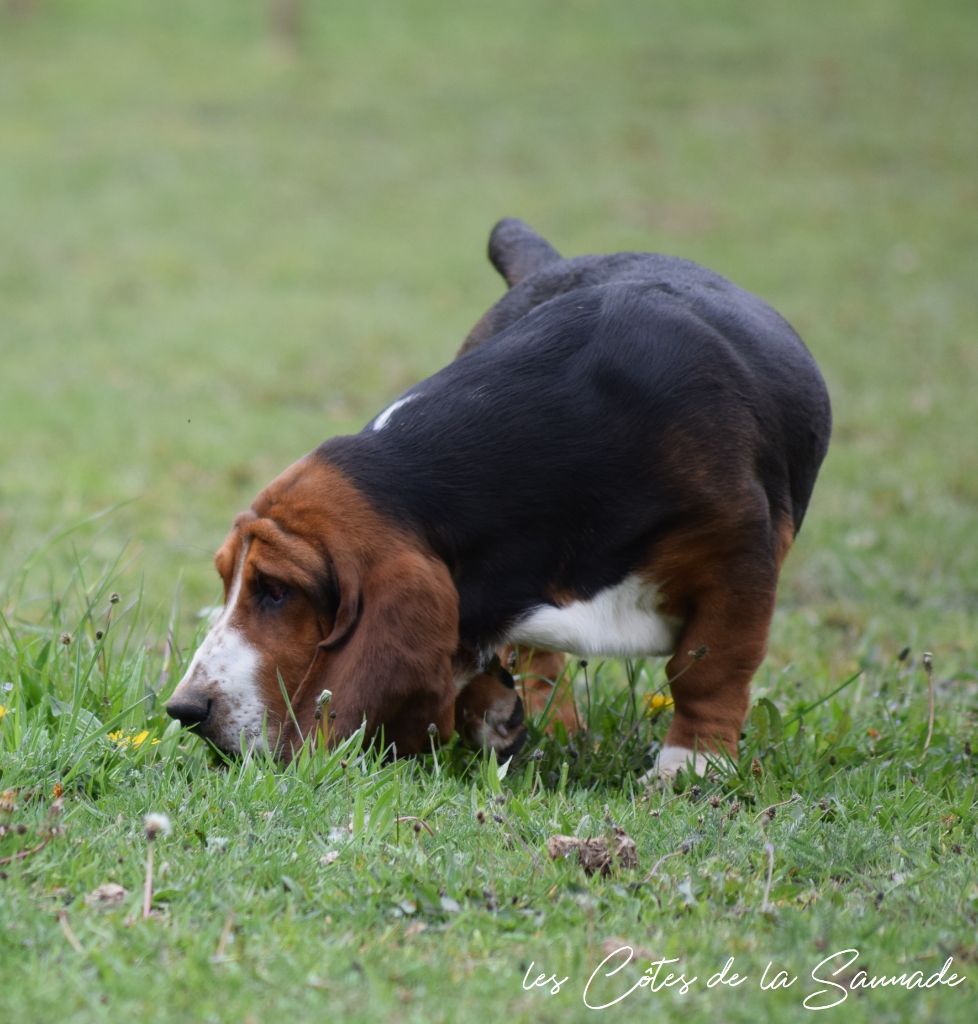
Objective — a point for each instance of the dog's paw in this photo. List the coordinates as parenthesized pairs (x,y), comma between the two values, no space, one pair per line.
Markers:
(502,727)
(673,760)
(489,713)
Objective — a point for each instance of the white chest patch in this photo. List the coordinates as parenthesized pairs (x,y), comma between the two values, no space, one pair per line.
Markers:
(622,620)
(382,420)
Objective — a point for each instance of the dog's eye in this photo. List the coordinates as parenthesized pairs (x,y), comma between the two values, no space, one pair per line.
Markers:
(270,593)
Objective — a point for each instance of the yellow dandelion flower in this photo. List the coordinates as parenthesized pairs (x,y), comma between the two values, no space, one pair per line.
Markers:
(656,702)
(3,712)
(125,740)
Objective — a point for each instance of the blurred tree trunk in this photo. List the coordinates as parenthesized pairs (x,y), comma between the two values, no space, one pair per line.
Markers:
(285,17)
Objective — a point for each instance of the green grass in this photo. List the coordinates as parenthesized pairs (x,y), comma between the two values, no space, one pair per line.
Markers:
(217,253)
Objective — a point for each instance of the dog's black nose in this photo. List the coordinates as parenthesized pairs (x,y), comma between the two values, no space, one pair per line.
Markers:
(189,712)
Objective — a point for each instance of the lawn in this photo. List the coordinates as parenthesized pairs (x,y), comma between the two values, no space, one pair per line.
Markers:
(221,247)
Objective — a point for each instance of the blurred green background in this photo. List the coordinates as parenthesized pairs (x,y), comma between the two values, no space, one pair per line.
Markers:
(224,238)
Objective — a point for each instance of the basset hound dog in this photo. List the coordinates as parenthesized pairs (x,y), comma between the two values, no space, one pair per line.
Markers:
(616,463)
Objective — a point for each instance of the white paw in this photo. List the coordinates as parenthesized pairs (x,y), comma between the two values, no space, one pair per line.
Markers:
(673,760)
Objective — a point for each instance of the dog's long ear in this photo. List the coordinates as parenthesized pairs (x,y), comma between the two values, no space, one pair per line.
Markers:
(517,251)
(390,662)
(345,578)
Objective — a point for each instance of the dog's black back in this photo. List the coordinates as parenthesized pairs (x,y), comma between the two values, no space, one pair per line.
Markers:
(604,402)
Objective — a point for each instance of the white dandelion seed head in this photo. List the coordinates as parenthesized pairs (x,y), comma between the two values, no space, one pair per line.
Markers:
(155,824)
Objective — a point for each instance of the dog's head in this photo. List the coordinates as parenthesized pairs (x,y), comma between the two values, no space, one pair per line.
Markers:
(322,593)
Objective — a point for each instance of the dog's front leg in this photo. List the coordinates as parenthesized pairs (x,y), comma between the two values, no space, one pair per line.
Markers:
(488,709)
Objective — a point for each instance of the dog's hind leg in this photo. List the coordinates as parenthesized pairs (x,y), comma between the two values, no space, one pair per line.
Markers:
(727,598)
(719,650)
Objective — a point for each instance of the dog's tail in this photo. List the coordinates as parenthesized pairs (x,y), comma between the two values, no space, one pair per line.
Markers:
(517,251)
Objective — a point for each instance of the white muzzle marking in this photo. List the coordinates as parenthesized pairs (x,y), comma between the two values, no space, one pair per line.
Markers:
(224,671)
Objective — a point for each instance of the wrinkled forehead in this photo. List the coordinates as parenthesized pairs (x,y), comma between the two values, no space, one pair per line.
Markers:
(258,544)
